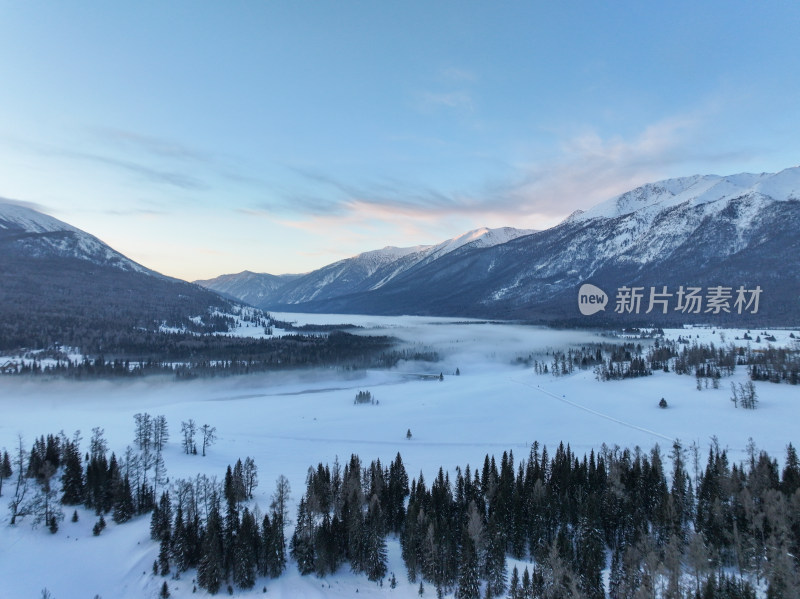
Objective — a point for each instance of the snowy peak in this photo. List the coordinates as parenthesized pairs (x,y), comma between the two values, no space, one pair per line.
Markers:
(247,286)
(372,260)
(784,185)
(364,272)
(20,218)
(479,238)
(28,233)
(703,230)
(696,191)
(482,237)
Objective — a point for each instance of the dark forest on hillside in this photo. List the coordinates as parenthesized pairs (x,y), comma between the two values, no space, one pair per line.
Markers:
(682,526)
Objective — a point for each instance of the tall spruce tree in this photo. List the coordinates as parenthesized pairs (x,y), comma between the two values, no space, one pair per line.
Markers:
(302,544)
(211,568)
(495,560)
(374,542)
(123,502)
(72,486)
(245,552)
(5,469)
(469,584)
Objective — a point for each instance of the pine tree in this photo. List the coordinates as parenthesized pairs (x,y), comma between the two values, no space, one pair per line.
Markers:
(375,542)
(245,553)
(211,568)
(791,472)
(590,559)
(495,560)
(161,520)
(163,555)
(180,549)
(5,470)
(326,559)
(123,503)
(681,492)
(526,590)
(302,544)
(469,586)
(267,549)
(96,477)
(72,486)
(514,591)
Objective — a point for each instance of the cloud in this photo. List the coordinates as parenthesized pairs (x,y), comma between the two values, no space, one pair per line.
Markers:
(335,197)
(591,169)
(156,175)
(152,145)
(159,175)
(588,169)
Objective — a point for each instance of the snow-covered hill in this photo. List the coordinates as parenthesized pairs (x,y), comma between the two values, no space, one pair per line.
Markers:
(699,231)
(715,190)
(61,285)
(364,272)
(27,233)
(246,286)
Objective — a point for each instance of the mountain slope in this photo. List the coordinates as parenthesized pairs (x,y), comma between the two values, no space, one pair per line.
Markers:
(249,287)
(30,234)
(696,231)
(60,285)
(365,272)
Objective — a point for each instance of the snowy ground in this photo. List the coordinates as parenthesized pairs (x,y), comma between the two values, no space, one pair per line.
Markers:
(290,421)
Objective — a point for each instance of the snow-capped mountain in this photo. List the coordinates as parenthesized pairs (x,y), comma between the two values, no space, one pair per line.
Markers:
(60,285)
(694,231)
(26,232)
(365,272)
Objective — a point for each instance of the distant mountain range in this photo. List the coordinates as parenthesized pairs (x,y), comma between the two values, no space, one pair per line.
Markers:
(663,239)
(362,273)
(60,285)
(730,244)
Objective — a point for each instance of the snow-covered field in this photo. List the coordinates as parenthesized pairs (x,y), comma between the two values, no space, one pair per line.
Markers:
(290,421)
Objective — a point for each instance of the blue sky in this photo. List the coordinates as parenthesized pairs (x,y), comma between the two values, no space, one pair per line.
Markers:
(202,138)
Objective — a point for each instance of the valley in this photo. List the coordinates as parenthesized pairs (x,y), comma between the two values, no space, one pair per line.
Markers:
(290,421)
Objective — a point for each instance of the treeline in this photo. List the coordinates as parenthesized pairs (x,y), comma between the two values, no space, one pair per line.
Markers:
(678,527)
(187,356)
(776,365)
(682,356)
(198,523)
(123,486)
(668,535)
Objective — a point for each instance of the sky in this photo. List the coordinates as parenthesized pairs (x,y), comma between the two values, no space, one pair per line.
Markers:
(201,138)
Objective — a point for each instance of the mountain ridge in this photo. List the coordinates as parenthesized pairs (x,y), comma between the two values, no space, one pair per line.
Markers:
(366,271)
(705,230)
(28,232)
(62,286)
